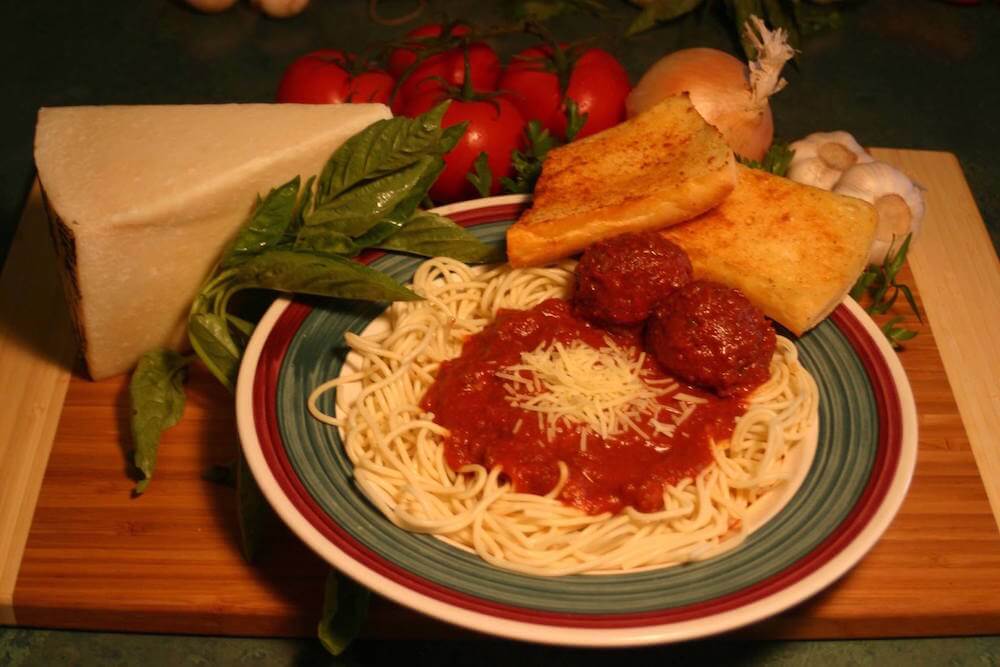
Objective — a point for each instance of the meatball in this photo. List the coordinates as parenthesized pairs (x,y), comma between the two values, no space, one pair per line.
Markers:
(710,335)
(618,281)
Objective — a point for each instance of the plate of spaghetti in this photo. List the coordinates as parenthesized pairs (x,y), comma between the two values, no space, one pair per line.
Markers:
(490,458)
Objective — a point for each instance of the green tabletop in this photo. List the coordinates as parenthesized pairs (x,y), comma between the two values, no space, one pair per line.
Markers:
(899,73)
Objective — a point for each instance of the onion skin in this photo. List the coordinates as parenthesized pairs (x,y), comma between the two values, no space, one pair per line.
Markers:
(719,86)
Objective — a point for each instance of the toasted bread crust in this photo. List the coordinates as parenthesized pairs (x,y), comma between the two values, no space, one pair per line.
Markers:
(658,169)
(793,250)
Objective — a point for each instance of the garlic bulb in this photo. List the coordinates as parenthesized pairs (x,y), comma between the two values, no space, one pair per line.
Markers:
(898,202)
(822,157)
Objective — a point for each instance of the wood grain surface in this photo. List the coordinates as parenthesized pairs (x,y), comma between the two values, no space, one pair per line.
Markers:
(961,287)
(169,561)
(36,352)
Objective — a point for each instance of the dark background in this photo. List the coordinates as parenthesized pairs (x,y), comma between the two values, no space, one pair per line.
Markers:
(897,73)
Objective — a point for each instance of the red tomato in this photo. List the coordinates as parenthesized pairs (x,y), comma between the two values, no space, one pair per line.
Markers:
(443,69)
(448,69)
(597,83)
(496,128)
(402,58)
(324,77)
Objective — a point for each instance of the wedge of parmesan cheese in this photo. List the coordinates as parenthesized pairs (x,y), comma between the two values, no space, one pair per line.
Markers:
(143,199)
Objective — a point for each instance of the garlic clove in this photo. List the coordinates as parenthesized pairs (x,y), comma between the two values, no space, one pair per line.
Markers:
(836,156)
(821,157)
(898,201)
(893,214)
(814,172)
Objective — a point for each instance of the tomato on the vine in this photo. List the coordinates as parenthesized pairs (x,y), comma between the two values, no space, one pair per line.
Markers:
(495,128)
(437,71)
(404,56)
(594,80)
(329,76)
(448,68)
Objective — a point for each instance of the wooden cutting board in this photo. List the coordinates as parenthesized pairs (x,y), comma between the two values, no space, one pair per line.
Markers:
(77,551)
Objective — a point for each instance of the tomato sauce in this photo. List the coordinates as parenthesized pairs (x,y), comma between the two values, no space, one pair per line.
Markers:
(627,469)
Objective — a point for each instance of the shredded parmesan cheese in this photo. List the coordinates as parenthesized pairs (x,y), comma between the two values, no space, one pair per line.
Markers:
(603,390)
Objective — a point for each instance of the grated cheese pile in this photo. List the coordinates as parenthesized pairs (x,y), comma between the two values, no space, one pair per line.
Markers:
(604,390)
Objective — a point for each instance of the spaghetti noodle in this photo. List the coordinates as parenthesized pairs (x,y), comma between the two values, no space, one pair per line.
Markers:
(399,460)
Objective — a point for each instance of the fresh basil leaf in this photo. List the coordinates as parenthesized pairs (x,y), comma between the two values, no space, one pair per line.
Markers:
(324,240)
(433,235)
(345,607)
(301,210)
(481,176)
(355,211)
(267,224)
(382,148)
(385,228)
(210,338)
(240,325)
(660,10)
(304,273)
(400,216)
(255,517)
(451,135)
(411,184)
(156,394)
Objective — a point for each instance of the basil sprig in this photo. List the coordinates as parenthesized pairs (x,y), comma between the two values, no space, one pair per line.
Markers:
(157,396)
(345,607)
(300,239)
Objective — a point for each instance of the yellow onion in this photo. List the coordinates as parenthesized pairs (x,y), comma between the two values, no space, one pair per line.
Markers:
(729,94)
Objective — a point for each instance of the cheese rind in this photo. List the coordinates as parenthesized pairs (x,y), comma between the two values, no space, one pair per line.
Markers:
(143,199)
